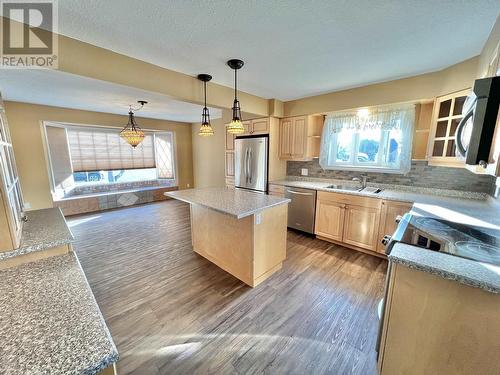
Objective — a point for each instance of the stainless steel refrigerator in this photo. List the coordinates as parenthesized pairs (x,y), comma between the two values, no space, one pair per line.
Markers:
(250,162)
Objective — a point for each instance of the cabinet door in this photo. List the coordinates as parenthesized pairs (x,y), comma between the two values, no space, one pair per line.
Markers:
(248,127)
(445,119)
(329,219)
(229,141)
(285,138)
(388,214)
(361,226)
(299,137)
(260,126)
(229,164)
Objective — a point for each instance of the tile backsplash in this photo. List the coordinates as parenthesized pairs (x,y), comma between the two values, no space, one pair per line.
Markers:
(421,175)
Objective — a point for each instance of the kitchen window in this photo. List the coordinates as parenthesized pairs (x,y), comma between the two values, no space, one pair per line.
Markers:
(369,140)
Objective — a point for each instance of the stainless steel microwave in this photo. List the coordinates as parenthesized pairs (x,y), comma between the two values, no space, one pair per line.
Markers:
(474,135)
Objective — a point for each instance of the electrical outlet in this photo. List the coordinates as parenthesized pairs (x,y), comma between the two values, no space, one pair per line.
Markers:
(304,171)
(187,185)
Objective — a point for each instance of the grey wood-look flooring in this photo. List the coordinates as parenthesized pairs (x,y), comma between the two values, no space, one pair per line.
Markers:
(170,311)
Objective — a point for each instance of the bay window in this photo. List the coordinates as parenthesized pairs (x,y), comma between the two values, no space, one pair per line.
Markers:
(376,140)
(91,155)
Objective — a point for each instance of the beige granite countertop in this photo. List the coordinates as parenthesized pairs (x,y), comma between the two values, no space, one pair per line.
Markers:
(237,203)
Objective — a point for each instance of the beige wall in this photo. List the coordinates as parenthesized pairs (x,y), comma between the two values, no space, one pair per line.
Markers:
(425,86)
(489,50)
(25,124)
(209,154)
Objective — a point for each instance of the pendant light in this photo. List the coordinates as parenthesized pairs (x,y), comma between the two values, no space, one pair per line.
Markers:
(236,126)
(132,133)
(206,128)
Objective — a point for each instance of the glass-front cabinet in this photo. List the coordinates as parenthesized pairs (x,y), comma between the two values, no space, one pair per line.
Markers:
(446,117)
(11,201)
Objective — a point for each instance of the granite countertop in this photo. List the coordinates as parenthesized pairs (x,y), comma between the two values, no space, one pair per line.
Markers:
(44,229)
(237,203)
(50,322)
(468,272)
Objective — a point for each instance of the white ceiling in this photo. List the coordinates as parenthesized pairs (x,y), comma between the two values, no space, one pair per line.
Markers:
(291,48)
(55,88)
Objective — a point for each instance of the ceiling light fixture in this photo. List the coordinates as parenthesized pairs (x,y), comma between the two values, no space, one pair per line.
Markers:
(236,126)
(132,133)
(206,128)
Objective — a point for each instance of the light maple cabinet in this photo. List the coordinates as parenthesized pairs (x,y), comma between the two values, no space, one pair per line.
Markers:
(276,190)
(300,137)
(361,226)
(446,116)
(389,212)
(329,219)
(230,164)
(11,202)
(349,219)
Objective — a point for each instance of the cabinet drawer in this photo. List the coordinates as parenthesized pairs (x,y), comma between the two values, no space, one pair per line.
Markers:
(356,200)
(276,188)
(230,181)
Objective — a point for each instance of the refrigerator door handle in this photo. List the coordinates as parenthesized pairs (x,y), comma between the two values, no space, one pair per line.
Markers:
(250,164)
(246,165)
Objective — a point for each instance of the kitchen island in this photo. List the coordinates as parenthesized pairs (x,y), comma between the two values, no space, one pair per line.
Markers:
(243,233)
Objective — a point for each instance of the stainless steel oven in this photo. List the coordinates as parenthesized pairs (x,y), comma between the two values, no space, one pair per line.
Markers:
(302,208)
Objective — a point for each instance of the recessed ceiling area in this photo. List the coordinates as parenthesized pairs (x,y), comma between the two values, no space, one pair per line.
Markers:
(291,49)
(59,89)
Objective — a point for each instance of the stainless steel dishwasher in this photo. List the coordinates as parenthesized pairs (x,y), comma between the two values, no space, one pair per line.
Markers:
(302,208)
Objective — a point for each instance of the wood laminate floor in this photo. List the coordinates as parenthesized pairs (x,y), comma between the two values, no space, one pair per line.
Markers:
(170,311)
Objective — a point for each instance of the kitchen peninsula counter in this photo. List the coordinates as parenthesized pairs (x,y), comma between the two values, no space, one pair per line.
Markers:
(243,233)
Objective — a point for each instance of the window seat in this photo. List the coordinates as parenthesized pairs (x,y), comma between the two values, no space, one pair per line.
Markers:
(92,202)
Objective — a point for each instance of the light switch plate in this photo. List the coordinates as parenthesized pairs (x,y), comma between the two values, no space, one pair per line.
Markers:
(304,171)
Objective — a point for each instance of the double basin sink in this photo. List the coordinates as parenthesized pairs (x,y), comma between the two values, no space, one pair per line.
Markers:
(352,188)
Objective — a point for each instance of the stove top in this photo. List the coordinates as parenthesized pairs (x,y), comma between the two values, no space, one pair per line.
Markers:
(466,241)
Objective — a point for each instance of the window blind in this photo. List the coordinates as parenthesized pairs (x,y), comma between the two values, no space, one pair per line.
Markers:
(95,149)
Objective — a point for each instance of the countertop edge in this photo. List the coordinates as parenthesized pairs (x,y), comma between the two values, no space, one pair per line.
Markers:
(398,256)
(114,356)
(237,216)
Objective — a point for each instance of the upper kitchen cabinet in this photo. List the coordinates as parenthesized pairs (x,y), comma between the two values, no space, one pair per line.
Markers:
(300,137)
(445,119)
(11,204)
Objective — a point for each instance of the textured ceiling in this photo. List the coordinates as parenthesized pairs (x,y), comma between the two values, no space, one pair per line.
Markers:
(292,48)
(55,88)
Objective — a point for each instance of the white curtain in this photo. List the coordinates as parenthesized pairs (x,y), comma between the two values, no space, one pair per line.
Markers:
(386,118)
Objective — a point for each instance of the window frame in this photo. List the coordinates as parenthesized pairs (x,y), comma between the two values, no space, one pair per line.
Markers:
(66,125)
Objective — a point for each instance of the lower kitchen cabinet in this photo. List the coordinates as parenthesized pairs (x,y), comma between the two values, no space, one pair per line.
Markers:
(361,226)
(276,190)
(329,219)
(388,215)
(348,219)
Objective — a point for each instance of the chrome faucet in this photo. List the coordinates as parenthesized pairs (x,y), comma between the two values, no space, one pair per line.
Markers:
(362,180)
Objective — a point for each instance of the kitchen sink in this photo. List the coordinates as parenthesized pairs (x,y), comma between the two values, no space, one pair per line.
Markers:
(345,187)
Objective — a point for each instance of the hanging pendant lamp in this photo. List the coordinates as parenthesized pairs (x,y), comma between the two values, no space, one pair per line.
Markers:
(206,128)
(132,133)
(236,126)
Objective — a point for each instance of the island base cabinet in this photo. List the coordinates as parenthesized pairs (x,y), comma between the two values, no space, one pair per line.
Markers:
(251,248)
(438,326)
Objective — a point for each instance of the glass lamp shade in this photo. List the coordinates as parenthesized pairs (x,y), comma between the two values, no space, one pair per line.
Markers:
(132,136)
(235,127)
(206,130)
